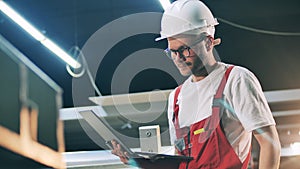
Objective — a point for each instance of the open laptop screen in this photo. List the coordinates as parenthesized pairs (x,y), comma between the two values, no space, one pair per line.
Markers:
(106,132)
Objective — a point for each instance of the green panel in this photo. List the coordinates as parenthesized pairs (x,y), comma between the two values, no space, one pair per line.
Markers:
(9,98)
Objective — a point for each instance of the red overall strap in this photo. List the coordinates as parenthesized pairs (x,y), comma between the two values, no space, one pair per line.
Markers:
(217,107)
(223,83)
(176,107)
(175,113)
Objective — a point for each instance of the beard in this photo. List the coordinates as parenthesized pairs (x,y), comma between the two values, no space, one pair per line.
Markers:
(198,68)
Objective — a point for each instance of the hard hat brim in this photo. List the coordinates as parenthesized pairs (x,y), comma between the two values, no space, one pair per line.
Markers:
(160,38)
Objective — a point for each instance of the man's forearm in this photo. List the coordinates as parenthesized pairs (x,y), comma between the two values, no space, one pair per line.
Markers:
(269,157)
(270,147)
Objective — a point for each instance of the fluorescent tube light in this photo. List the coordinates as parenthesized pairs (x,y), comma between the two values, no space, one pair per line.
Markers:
(164,3)
(61,53)
(38,35)
(21,21)
(296,146)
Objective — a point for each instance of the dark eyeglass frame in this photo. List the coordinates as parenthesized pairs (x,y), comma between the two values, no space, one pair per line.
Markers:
(183,51)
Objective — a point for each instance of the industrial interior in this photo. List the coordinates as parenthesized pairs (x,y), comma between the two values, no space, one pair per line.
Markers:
(117,70)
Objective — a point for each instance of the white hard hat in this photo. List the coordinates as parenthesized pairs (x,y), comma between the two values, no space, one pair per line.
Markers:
(187,16)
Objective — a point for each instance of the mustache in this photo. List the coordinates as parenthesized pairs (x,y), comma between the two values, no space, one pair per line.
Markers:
(188,63)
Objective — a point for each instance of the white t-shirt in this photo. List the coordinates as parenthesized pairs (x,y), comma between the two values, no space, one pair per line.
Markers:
(246,106)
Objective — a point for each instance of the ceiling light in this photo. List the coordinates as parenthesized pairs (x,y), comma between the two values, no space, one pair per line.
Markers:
(23,23)
(292,150)
(296,146)
(59,52)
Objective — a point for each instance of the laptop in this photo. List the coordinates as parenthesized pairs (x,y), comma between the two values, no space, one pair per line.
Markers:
(105,131)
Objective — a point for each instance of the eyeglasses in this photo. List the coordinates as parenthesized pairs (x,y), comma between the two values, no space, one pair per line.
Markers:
(183,51)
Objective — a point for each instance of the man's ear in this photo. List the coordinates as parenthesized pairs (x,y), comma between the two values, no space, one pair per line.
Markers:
(209,43)
(216,41)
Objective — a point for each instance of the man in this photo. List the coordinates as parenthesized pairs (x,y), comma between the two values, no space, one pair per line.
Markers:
(214,113)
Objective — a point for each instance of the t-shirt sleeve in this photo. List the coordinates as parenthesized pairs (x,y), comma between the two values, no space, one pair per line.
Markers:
(249,101)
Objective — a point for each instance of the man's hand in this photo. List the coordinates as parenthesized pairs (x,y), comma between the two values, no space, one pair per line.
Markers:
(117,150)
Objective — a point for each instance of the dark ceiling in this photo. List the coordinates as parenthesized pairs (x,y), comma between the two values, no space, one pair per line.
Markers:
(275,59)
